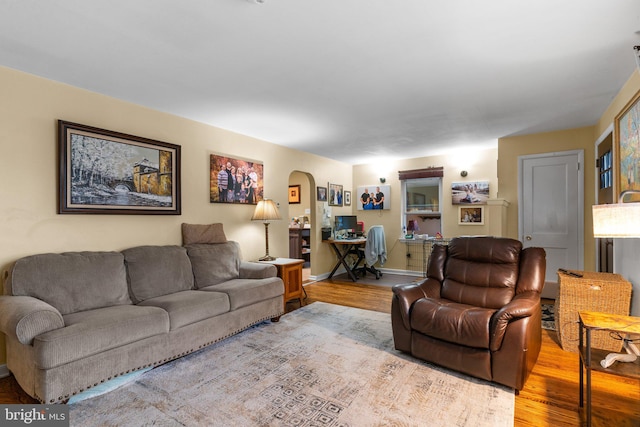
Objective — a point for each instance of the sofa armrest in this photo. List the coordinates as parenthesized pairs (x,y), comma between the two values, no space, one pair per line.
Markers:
(522,305)
(25,317)
(257,270)
(407,294)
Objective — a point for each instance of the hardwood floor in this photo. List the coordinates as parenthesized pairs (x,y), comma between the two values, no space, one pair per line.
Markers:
(550,397)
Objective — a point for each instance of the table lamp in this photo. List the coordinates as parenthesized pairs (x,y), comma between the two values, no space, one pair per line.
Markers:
(266,211)
(617,220)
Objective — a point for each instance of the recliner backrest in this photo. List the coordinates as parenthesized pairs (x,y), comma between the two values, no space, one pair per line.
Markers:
(481,271)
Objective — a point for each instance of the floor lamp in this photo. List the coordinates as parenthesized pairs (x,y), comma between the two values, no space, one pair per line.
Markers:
(266,211)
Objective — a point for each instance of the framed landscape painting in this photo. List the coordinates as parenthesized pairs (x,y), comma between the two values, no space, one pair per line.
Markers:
(235,180)
(107,172)
(627,149)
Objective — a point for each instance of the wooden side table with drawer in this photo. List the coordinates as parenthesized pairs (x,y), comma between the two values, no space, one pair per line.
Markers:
(290,271)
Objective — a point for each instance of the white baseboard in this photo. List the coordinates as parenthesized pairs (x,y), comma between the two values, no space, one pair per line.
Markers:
(341,270)
(4,371)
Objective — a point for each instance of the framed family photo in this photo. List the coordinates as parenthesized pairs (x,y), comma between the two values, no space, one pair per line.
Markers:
(471,215)
(470,193)
(373,197)
(235,180)
(108,172)
(335,195)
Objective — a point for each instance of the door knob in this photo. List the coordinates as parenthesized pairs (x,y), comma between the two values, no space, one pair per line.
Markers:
(527,237)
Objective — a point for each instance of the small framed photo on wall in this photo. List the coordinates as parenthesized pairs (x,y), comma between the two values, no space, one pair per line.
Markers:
(471,215)
(347,198)
(321,194)
(294,194)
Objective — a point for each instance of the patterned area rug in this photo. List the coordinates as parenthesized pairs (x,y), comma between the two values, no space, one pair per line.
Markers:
(548,317)
(321,365)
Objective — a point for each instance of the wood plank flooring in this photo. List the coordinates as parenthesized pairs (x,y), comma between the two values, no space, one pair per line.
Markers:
(550,397)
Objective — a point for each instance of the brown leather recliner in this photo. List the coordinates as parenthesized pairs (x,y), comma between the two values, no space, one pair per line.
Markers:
(478,310)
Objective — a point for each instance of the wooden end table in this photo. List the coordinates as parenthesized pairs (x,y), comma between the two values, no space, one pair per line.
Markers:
(590,358)
(290,271)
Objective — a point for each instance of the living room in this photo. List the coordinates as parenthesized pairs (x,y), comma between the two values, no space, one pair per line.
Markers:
(31,105)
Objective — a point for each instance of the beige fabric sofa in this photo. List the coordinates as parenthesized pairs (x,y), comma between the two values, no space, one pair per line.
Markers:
(74,320)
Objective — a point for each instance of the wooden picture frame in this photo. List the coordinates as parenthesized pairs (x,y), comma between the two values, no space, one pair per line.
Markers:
(347,198)
(626,154)
(235,181)
(107,172)
(294,194)
(471,215)
(335,195)
(321,194)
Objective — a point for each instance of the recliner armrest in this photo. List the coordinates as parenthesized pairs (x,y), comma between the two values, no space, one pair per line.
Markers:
(407,294)
(256,270)
(522,305)
(25,317)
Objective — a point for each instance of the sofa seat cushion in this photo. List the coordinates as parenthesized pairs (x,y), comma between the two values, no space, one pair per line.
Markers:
(244,292)
(153,271)
(72,281)
(94,331)
(188,307)
(452,322)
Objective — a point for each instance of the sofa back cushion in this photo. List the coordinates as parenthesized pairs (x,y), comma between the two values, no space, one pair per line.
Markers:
(72,281)
(481,271)
(214,264)
(153,271)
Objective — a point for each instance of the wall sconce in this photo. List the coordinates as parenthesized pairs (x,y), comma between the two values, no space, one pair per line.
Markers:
(383,180)
(464,173)
(617,220)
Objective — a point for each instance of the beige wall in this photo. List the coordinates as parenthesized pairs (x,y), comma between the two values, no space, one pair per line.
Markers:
(626,251)
(29,109)
(509,149)
(480,165)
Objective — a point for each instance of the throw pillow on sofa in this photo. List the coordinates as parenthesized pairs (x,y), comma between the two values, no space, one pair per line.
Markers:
(153,271)
(214,264)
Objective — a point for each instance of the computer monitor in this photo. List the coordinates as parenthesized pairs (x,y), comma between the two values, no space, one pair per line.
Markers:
(346,222)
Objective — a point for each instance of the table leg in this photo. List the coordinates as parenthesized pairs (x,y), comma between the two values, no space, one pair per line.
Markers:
(580,349)
(341,261)
(588,368)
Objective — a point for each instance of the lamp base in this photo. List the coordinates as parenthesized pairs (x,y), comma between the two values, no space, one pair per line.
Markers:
(267,258)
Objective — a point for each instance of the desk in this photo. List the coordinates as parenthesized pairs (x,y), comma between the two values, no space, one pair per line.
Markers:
(590,358)
(342,248)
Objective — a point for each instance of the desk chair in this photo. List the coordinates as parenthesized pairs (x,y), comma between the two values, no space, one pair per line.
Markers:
(374,251)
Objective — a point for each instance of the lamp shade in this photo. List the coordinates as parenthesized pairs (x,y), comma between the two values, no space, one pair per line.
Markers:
(617,220)
(266,210)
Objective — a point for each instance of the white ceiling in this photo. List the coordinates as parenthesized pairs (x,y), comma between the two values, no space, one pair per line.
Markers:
(354,80)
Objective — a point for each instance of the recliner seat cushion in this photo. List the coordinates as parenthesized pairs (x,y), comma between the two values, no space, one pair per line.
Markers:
(90,332)
(452,322)
(244,292)
(72,281)
(188,307)
(153,271)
